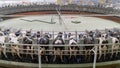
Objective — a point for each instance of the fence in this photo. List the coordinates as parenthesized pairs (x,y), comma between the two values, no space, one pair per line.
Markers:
(33,48)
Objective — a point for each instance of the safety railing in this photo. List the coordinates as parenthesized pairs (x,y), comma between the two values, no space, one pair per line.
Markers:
(60,54)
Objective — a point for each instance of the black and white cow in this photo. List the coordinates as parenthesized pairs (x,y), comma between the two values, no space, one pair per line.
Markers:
(103,40)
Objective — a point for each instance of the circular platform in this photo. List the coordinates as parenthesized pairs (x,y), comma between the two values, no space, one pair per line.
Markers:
(52,23)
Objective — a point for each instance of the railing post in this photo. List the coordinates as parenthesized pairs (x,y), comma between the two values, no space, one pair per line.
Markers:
(95,56)
(39,56)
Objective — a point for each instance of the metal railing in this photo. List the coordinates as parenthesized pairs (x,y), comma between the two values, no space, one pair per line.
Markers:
(33,49)
(36,49)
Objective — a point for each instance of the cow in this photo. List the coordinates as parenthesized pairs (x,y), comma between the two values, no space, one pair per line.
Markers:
(115,45)
(102,40)
(2,43)
(14,41)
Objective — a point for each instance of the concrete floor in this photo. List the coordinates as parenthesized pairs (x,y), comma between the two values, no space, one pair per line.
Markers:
(34,22)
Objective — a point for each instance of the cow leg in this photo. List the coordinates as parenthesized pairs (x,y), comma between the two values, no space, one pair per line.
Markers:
(32,52)
(116,50)
(0,51)
(112,51)
(4,52)
(27,51)
(45,55)
(12,50)
(12,53)
(75,54)
(70,52)
(100,53)
(54,59)
(18,53)
(61,56)
(104,50)
(86,53)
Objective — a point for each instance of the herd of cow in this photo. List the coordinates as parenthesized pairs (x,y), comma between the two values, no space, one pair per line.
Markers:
(22,46)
